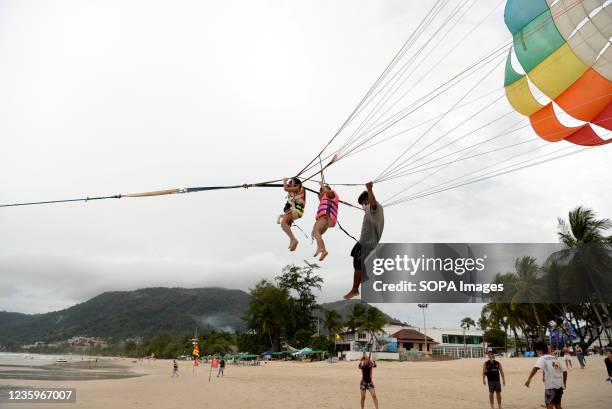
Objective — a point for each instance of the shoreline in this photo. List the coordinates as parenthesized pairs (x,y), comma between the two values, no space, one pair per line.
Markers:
(69,371)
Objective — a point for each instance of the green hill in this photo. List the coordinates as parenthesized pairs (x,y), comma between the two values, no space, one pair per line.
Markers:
(124,314)
(118,315)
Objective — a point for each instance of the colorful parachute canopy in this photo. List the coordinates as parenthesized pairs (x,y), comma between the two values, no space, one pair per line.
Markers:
(563,46)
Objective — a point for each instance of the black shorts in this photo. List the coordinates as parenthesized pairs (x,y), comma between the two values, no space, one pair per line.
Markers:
(356,254)
(366,385)
(553,396)
(494,386)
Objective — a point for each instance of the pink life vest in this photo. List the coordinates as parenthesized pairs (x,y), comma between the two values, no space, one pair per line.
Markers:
(329,206)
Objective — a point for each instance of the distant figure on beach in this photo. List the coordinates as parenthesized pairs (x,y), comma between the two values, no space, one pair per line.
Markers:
(294,208)
(555,376)
(491,371)
(327,216)
(608,362)
(567,355)
(371,232)
(221,367)
(580,356)
(367,367)
(174,369)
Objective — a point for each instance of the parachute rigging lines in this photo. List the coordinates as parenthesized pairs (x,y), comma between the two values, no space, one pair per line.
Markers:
(591,103)
(559,44)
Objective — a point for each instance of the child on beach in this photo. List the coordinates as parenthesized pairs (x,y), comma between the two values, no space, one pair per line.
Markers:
(174,369)
(294,208)
(555,376)
(367,367)
(327,216)
(567,355)
(491,371)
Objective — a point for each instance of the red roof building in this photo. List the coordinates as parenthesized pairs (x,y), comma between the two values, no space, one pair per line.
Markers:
(409,339)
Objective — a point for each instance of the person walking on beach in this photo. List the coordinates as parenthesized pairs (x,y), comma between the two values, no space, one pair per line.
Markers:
(371,232)
(174,369)
(367,367)
(580,356)
(608,362)
(567,355)
(555,376)
(491,371)
(221,367)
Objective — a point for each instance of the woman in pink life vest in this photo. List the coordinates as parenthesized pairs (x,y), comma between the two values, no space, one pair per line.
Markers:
(327,215)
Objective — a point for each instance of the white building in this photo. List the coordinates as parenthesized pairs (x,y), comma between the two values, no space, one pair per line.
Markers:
(357,341)
(452,342)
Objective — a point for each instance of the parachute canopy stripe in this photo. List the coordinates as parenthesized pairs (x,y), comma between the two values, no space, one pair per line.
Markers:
(604,119)
(587,137)
(591,37)
(548,127)
(520,97)
(586,97)
(537,41)
(557,72)
(511,75)
(519,13)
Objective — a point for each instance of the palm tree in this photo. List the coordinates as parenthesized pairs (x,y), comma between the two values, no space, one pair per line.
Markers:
(466,324)
(333,323)
(584,227)
(527,285)
(356,315)
(372,322)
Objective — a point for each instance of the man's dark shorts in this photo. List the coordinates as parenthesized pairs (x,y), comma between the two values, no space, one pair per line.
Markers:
(553,396)
(359,254)
(366,385)
(494,386)
(356,254)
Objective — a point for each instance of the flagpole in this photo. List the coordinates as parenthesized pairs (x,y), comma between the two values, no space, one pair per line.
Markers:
(211,364)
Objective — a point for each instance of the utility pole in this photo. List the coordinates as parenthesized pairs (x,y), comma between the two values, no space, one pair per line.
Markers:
(423,307)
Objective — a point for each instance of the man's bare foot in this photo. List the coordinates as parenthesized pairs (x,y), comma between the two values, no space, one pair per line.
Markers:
(293,245)
(319,251)
(351,294)
(324,254)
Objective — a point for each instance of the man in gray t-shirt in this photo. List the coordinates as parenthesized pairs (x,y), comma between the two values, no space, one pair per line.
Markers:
(371,232)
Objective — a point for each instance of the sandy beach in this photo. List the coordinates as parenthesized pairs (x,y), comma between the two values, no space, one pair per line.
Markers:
(276,385)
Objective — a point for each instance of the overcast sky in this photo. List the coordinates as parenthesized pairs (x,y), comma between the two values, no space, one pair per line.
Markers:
(106,97)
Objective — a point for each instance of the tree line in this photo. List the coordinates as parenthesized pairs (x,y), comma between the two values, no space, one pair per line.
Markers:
(583,267)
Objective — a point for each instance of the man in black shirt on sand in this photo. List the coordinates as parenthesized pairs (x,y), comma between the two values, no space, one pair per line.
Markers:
(491,370)
(367,367)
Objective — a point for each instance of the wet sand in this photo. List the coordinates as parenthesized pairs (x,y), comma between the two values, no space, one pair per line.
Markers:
(72,371)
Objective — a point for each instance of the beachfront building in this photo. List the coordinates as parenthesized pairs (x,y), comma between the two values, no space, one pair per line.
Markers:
(352,340)
(452,342)
(411,340)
